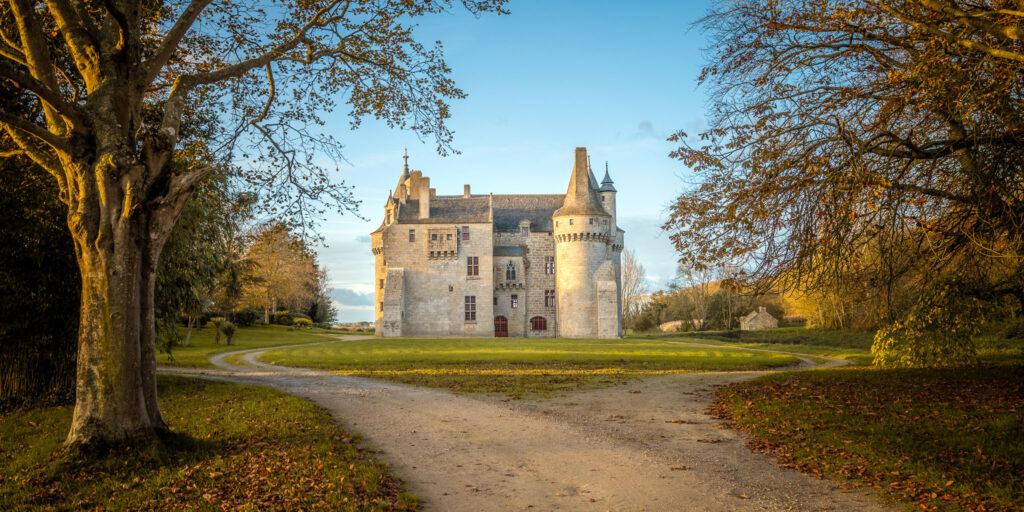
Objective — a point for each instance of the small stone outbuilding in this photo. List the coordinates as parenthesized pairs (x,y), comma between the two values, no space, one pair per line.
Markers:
(760,319)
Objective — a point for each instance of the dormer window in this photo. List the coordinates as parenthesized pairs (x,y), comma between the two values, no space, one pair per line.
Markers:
(510,272)
(524,230)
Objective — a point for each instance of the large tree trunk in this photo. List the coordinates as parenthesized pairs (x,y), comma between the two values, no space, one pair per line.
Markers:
(118,238)
(111,395)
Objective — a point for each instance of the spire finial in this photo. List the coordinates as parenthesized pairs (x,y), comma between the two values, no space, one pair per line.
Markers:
(606,183)
(406,167)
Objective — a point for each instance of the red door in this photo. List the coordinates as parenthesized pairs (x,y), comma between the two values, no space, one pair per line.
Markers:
(500,327)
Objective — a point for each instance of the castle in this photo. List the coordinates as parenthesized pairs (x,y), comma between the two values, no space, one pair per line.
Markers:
(531,265)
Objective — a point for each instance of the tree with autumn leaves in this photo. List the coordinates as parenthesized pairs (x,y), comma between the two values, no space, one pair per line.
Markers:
(112,81)
(863,141)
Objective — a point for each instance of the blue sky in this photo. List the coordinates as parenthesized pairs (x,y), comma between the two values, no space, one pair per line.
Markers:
(615,77)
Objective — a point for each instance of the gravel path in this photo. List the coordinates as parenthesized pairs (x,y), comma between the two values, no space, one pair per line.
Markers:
(641,446)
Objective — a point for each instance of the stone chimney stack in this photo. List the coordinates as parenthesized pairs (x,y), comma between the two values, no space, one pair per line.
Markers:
(424,198)
(465,191)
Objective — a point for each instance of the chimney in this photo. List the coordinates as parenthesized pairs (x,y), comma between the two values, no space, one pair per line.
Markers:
(761,309)
(465,191)
(425,198)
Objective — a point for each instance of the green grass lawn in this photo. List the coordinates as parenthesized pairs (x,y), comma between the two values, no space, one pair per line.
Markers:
(203,344)
(234,447)
(944,439)
(516,366)
(853,345)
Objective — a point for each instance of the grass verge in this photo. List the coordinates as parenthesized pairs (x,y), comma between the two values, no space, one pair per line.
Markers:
(853,345)
(516,366)
(235,448)
(203,343)
(942,439)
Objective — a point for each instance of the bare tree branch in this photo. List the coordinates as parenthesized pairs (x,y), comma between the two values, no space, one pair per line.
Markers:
(171,40)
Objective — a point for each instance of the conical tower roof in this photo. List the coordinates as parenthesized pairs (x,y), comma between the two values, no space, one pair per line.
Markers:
(581,198)
(607,183)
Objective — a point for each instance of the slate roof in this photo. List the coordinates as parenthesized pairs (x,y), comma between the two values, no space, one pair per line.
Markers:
(537,208)
(509,210)
(508,250)
(448,210)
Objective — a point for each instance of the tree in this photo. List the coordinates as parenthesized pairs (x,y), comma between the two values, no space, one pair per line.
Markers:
(695,283)
(843,132)
(113,80)
(322,310)
(633,287)
(284,271)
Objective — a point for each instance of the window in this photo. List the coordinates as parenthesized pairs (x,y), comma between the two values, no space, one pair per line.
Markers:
(472,265)
(382,306)
(448,237)
(495,301)
(381,284)
(388,221)
(602,199)
(515,301)
(470,308)
(465,233)
(549,298)
(433,236)
(538,323)
(591,221)
(570,222)
(412,235)
(510,272)
(524,230)
(549,264)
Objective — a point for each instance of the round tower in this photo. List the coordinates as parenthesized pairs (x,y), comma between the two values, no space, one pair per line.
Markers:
(581,233)
(607,192)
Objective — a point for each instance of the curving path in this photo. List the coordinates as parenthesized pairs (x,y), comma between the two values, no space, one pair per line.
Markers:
(642,446)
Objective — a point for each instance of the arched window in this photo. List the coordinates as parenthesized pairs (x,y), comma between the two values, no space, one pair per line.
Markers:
(538,323)
(510,272)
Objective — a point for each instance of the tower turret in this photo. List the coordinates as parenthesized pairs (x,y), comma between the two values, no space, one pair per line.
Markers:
(607,192)
(584,274)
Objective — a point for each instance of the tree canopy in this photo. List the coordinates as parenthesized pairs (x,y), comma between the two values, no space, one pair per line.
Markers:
(110,83)
(872,140)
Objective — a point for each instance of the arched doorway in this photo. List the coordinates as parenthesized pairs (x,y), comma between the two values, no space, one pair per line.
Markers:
(500,327)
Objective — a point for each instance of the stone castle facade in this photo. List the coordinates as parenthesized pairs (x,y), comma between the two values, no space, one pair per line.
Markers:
(537,265)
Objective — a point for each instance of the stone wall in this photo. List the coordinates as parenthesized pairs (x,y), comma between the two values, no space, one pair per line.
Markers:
(434,288)
(532,282)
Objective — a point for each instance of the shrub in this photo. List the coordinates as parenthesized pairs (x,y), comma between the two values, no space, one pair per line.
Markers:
(246,317)
(218,322)
(283,318)
(1013,330)
(938,331)
(228,329)
(301,323)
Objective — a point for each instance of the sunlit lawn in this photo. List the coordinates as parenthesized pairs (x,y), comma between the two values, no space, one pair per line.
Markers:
(234,447)
(516,366)
(944,439)
(203,344)
(853,345)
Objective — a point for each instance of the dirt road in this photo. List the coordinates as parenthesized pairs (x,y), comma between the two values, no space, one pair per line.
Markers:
(641,446)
